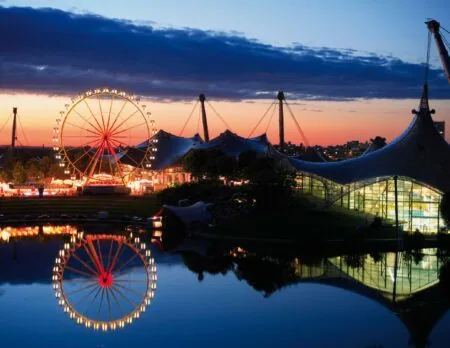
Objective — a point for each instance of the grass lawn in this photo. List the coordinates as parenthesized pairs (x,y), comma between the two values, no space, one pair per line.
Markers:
(305,219)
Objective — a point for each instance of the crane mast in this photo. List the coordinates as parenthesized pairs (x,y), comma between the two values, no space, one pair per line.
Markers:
(433,27)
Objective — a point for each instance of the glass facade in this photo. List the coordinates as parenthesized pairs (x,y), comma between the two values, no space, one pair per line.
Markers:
(399,274)
(418,204)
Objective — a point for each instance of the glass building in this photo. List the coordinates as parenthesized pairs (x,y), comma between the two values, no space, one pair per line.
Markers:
(410,174)
(418,204)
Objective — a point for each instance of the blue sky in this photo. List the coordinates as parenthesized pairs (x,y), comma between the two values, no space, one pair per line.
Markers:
(330,52)
(387,27)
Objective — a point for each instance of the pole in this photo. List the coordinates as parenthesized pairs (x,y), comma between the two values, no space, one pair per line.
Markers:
(202,99)
(13,135)
(399,236)
(281,98)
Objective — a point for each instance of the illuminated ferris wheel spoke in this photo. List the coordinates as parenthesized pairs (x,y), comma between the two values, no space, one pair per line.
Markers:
(82,136)
(118,115)
(100,253)
(126,263)
(93,116)
(129,128)
(118,302)
(130,289)
(86,296)
(93,299)
(84,129)
(82,156)
(110,253)
(113,130)
(116,161)
(109,303)
(82,289)
(118,143)
(80,272)
(86,265)
(77,280)
(109,113)
(87,121)
(93,258)
(111,266)
(92,162)
(131,281)
(96,257)
(101,301)
(123,296)
(101,114)
(101,155)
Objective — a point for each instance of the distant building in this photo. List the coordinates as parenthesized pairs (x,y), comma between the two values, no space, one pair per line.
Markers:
(440,126)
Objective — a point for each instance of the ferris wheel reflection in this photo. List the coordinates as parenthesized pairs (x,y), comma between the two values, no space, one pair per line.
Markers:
(104,282)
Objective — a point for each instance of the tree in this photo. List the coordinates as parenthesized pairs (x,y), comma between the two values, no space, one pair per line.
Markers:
(34,170)
(19,173)
(6,175)
(445,208)
(45,165)
(209,164)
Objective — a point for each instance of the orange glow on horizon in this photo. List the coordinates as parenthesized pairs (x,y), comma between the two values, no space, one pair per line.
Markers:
(323,122)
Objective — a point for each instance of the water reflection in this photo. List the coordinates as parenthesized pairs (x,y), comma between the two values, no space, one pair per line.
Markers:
(104,281)
(405,283)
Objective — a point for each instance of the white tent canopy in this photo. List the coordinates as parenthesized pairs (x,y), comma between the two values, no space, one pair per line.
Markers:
(419,153)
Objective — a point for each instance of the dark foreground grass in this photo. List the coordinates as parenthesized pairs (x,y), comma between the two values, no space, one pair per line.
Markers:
(307,220)
(142,206)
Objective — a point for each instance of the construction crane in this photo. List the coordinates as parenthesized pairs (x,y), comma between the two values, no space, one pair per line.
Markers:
(442,45)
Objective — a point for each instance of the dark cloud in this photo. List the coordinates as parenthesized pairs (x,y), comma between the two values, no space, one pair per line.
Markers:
(56,52)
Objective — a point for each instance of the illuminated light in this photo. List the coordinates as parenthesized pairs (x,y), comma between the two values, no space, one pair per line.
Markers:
(157,224)
(5,235)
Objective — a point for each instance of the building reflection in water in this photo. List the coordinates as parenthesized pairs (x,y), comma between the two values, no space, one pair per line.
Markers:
(406,283)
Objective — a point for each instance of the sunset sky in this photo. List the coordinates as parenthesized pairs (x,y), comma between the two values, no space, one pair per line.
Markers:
(351,69)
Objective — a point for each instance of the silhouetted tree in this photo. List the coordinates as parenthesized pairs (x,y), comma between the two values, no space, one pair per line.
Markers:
(19,173)
(45,165)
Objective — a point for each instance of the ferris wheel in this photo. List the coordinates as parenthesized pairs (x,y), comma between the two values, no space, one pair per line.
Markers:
(104,282)
(96,134)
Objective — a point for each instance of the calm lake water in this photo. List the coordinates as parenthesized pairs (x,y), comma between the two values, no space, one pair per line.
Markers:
(209,295)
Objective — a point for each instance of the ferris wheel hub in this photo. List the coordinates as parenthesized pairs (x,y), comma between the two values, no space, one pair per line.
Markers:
(105,280)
